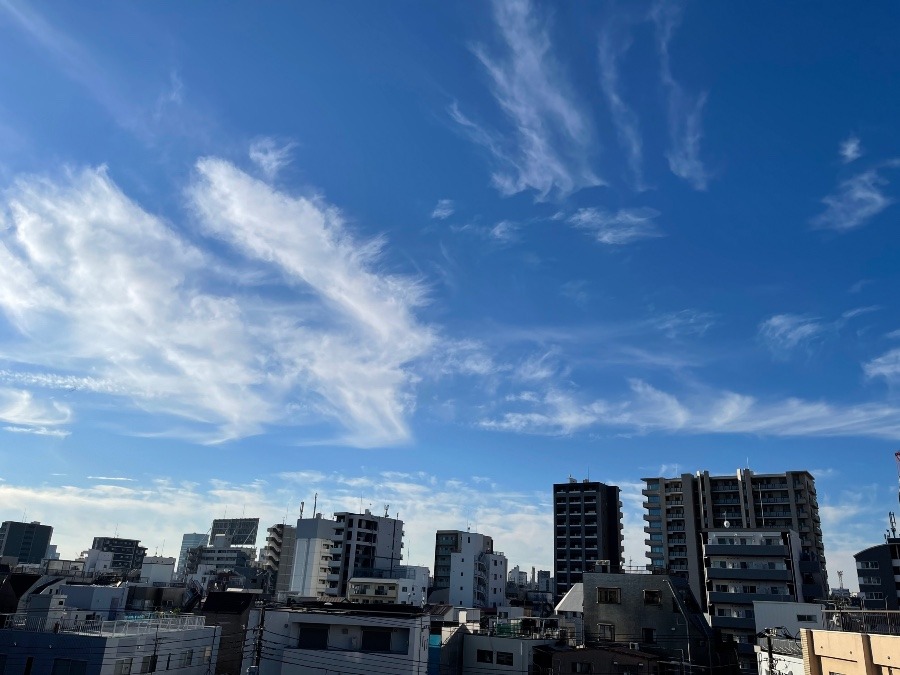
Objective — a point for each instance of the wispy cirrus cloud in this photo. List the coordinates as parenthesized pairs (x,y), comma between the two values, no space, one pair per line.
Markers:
(547,150)
(684,111)
(109,300)
(613,44)
(684,322)
(850,149)
(887,366)
(271,155)
(783,333)
(28,414)
(624,226)
(857,200)
(443,209)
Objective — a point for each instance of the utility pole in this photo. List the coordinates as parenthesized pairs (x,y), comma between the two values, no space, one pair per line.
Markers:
(257,649)
(769,649)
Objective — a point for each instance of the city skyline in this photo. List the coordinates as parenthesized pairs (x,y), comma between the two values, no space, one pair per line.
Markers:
(442,257)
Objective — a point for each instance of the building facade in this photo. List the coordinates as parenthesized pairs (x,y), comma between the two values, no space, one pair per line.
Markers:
(362,543)
(468,572)
(27,542)
(239,531)
(123,555)
(588,532)
(679,511)
(876,571)
(189,540)
(311,572)
(278,555)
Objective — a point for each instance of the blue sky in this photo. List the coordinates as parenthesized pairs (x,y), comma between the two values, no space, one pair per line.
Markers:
(440,256)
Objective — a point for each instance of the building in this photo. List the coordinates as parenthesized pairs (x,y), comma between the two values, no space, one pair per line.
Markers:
(467,570)
(317,638)
(238,531)
(157,570)
(230,612)
(121,555)
(311,573)
(54,644)
(679,511)
(851,653)
(362,543)
(403,585)
(875,570)
(278,555)
(587,520)
(188,541)
(28,543)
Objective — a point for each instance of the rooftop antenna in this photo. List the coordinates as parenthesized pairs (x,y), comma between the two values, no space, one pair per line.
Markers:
(315,501)
(386,507)
(841,579)
(893,520)
(302,504)
(286,509)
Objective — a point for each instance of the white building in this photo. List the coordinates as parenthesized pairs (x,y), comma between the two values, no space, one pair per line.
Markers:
(157,570)
(404,585)
(467,570)
(311,574)
(322,640)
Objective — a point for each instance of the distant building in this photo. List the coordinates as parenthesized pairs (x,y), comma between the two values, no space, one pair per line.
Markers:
(238,531)
(678,511)
(876,568)
(115,554)
(28,543)
(311,574)
(157,570)
(362,543)
(278,555)
(832,651)
(404,585)
(587,531)
(188,541)
(468,572)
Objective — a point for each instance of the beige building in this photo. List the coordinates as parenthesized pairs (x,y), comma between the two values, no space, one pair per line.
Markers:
(827,652)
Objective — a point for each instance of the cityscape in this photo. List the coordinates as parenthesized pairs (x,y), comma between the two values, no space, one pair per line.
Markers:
(449,338)
(736,579)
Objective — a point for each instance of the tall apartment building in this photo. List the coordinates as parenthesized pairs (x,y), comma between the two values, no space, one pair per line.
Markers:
(121,554)
(588,533)
(240,531)
(311,574)
(680,511)
(278,555)
(27,542)
(189,540)
(468,572)
(876,568)
(363,543)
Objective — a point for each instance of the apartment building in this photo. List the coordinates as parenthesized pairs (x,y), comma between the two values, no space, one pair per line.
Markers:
(189,540)
(362,544)
(312,576)
(278,555)
(28,543)
(878,571)
(679,511)
(468,572)
(588,532)
(115,554)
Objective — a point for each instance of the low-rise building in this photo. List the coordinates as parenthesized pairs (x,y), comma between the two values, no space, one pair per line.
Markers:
(849,653)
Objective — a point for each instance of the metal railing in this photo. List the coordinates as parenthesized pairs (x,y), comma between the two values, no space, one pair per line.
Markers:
(143,626)
(880,621)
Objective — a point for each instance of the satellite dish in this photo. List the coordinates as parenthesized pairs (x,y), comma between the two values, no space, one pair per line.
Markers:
(727,524)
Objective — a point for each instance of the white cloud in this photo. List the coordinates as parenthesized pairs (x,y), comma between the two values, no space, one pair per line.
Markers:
(21,409)
(109,300)
(443,209)
(887,366)
(112,478)
(270,155)
(782,333)
(612,46)
(850,149)
(548,149)
(38,431)
(857,200)
(621,227)
(685,112)
(684,322)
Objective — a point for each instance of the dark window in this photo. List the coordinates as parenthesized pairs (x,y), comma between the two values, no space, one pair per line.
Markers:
(64,667)
(484,656)
(652,597)
(649,635)
(606,631)
(313,636)
(608,595)
(376,640)
(582,667)
(504,658)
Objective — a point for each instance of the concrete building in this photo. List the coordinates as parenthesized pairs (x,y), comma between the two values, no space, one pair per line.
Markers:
(467,570)
(311,572)
(278,555)
(875,570)
(678,511)
(238,531)
(404,585)
(849,653)
(189,540)
(587,531)
(315,638)
(500,654)
(53,644)
(362,543)
(122,555)
(157,570)
(28,543)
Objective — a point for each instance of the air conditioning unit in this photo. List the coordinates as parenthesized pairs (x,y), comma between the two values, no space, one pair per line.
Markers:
(634,645)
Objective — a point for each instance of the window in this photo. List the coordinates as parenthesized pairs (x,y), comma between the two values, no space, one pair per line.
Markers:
(721,588)
(606,631)
(806,618)
(484,656)
(123,667)
(648,635)
(504,658)
(376,640)
(581,667)
(870,581)
(875,596)
(748,589)
(313,636)
(186,658)
(652,597)
(608,596)
(867,565)
(60,666)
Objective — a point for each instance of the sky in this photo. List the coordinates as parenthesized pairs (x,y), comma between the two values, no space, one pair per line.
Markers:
(431,258)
